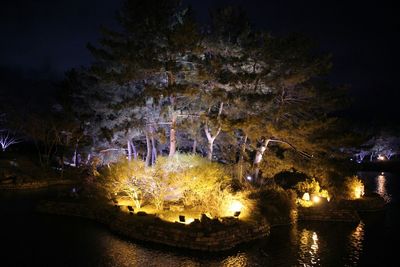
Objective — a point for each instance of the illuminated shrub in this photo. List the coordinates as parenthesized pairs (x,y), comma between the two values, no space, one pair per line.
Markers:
(354,187)
(129,178)
(312,187)
(192,179)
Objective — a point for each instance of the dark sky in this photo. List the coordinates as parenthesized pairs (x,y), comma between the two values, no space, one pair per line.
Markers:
(47,37)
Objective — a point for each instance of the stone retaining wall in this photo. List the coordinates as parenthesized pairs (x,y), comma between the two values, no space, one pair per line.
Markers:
(332,215)
(211,236)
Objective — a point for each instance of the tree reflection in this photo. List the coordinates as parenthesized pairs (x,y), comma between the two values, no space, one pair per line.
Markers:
(309,249)
(355,246)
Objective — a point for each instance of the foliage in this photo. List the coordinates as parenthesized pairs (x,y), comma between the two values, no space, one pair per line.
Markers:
(354,187)
(189,178)
(273,201)
(128,178)
(312,187)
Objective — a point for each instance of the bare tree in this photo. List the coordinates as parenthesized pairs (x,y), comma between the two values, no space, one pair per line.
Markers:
(7,139)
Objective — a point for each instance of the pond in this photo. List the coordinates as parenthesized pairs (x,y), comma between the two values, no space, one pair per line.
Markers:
(29,238)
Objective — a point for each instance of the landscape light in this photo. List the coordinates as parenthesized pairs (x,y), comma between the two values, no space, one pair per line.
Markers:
(316,199)
(380,157)
(235,207)
(306,197)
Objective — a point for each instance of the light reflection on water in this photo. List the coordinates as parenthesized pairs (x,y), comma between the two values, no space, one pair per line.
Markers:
(308,248)
(381,187)
(355,245)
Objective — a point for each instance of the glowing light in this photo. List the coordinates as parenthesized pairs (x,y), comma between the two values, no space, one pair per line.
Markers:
(380,157)
(306,197)
(248,178)
(316,199)
(359,191)
(235,206)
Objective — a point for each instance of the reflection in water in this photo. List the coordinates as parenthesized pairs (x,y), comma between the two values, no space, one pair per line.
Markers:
(240,259)
(308,251)
(355,246)
(381,187)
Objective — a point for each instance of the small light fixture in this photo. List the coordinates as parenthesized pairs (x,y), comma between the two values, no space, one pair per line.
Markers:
(306,197)
(182,218)
(249,178)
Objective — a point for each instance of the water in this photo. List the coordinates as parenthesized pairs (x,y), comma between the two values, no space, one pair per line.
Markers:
(31,239)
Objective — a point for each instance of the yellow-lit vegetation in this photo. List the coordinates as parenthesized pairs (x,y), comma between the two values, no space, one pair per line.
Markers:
(189,181)
(354,187)
(311,193)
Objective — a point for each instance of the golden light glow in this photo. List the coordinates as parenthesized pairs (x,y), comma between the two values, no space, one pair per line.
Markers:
(358,191)
(380,157)
(316,199)
(306,197)
(235,206)
(189,220)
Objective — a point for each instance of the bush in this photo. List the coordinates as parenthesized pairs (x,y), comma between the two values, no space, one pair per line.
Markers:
(273,201)
(312,187)
(192,179)
(354,187)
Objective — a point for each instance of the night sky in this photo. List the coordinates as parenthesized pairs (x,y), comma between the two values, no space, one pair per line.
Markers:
(44,38)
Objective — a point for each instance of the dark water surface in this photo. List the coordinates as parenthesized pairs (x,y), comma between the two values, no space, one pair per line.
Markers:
(31,239)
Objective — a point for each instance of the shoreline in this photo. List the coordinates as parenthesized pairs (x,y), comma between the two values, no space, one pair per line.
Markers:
(37,184)
(209,235)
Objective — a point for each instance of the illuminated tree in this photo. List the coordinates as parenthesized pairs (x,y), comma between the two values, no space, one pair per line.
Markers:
(7,139)
(152,48)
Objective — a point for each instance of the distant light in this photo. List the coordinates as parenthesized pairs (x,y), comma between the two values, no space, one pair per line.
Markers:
(382,173)
(380,157)
(306,197)
(248,178)
(316,199)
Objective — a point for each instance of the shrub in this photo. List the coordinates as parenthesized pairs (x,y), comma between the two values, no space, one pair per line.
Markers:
(354,187)
(273,201)
(128,178)
(312,187)
(191,179)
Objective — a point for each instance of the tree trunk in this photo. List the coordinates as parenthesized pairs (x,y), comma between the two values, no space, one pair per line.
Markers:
(129,150)
(194,146)
(209,136)
(210,149)
(241,159)
(258,158)
(148,155)
(172,137)
(75,158)
(153,150)
(135,154)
